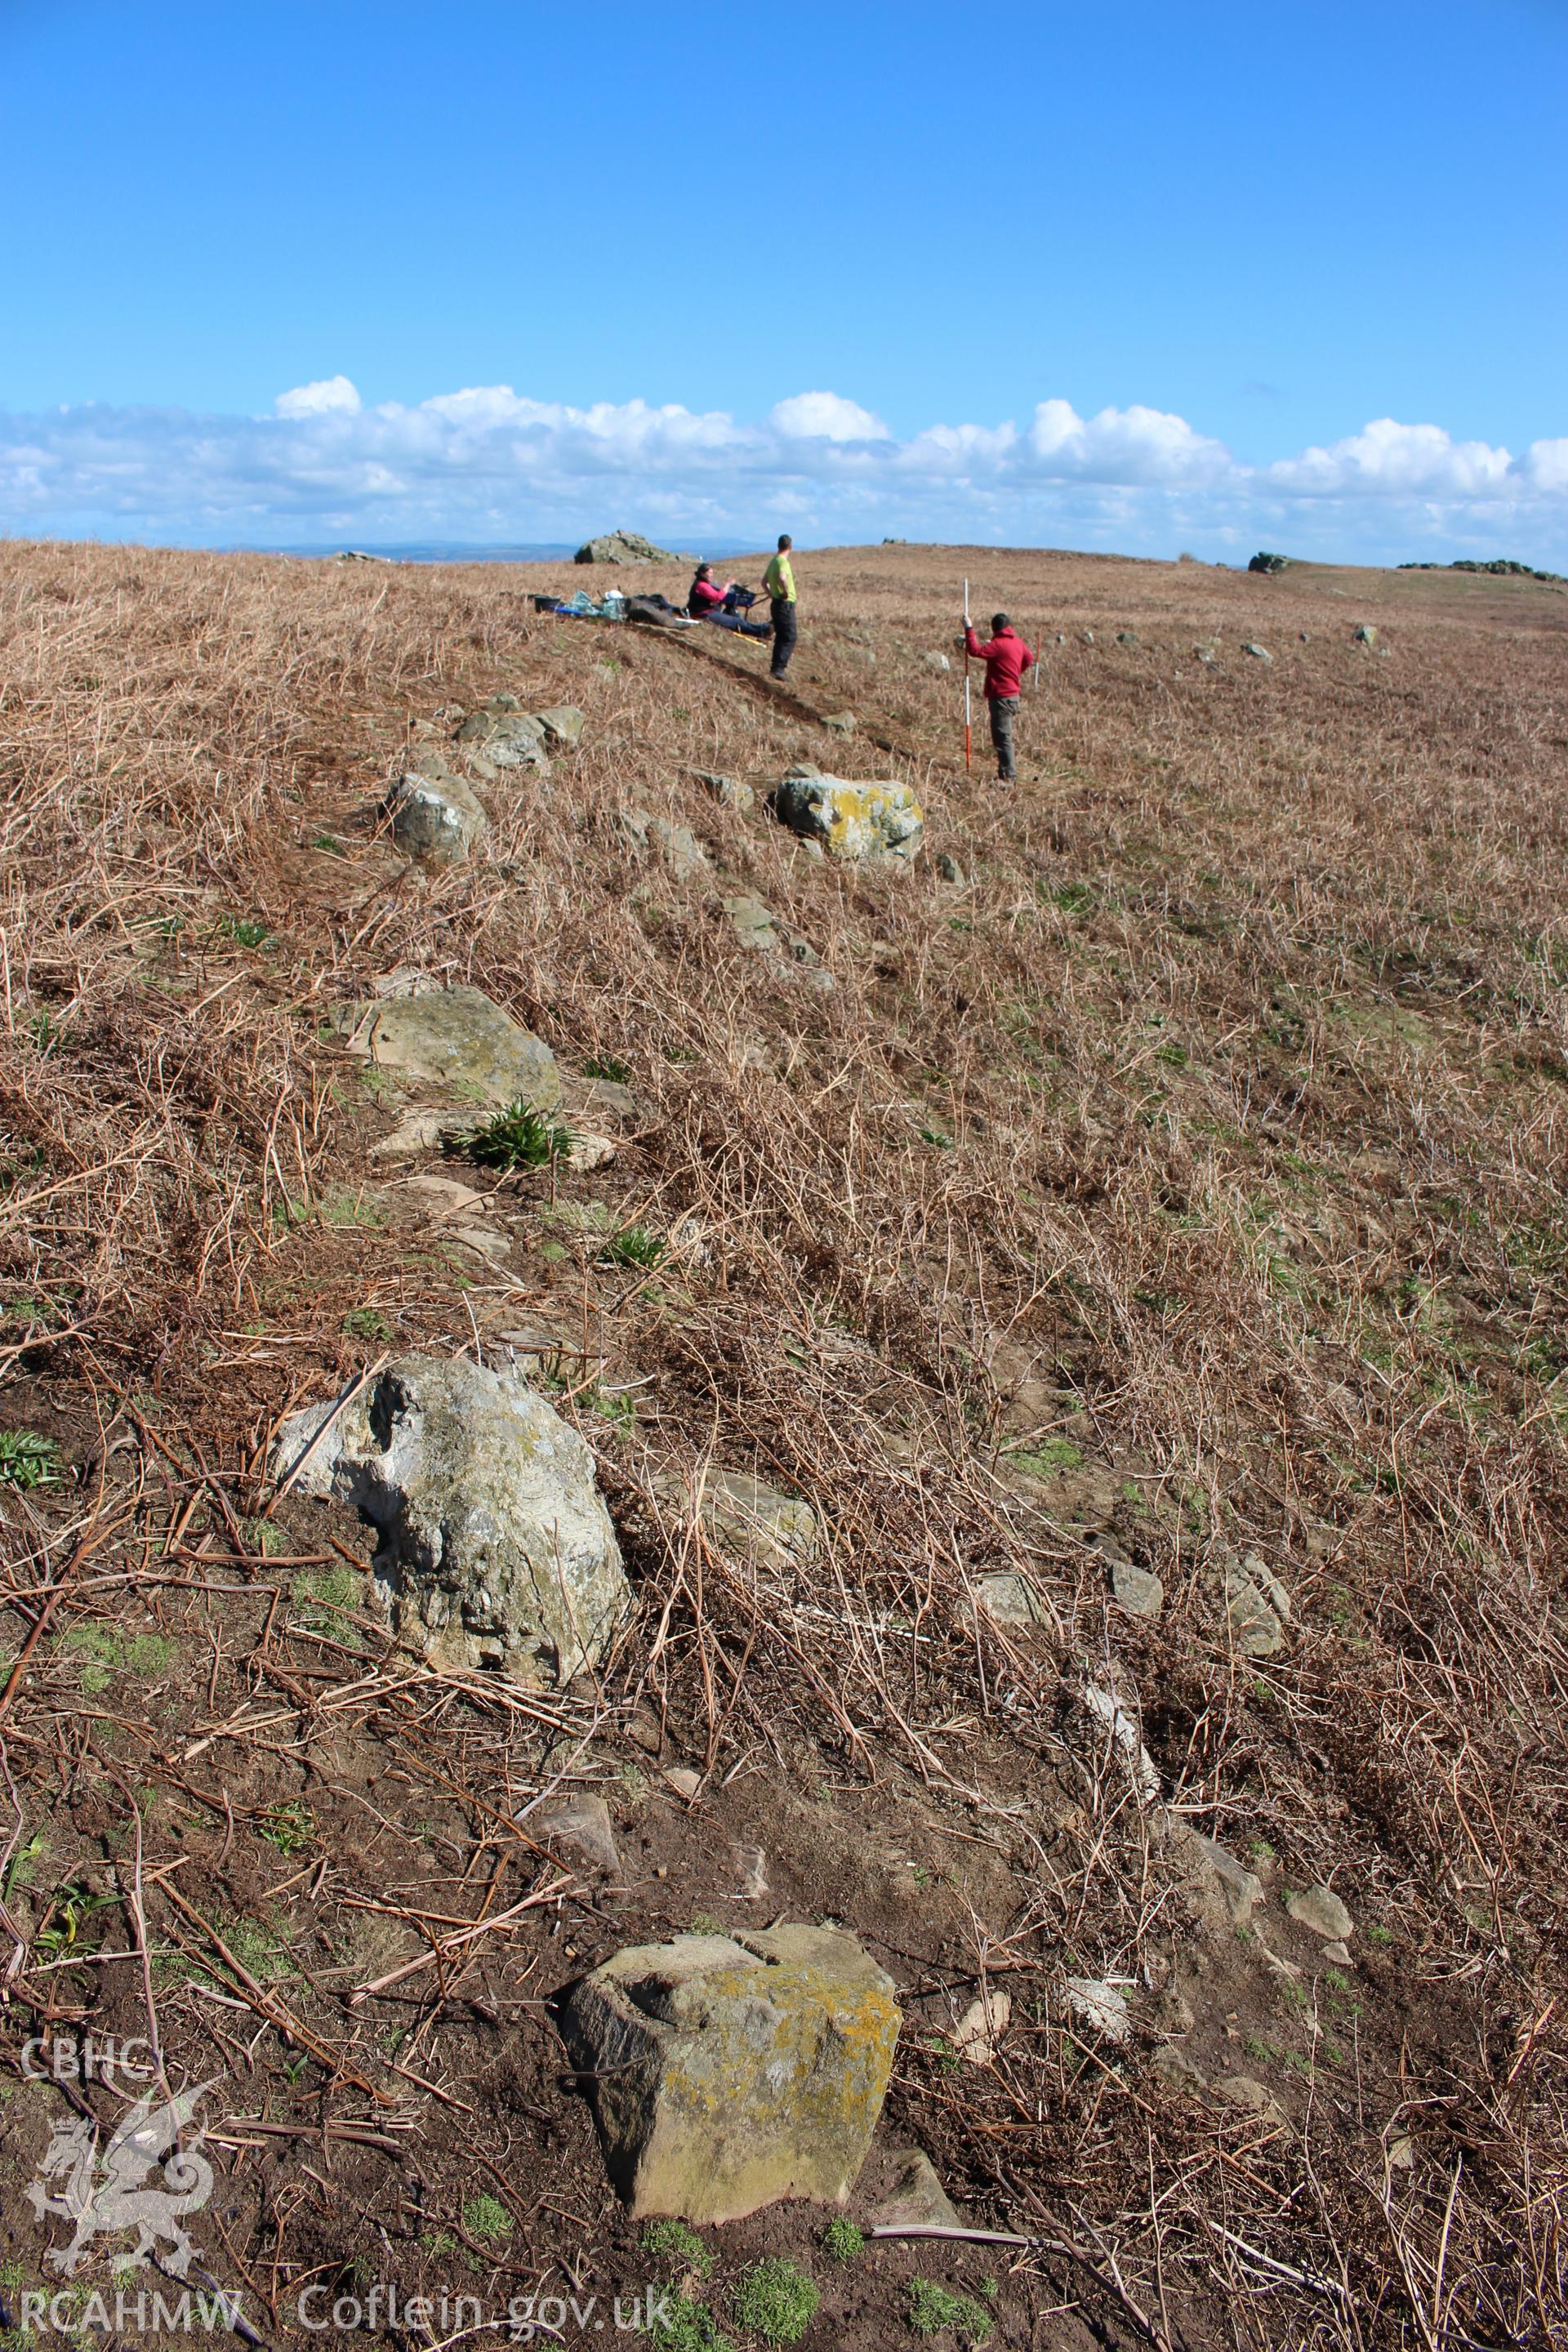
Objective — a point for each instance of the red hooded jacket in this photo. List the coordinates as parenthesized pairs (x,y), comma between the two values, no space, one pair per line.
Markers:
(1007,657)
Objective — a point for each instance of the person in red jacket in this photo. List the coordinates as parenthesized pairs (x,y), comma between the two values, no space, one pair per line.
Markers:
(1007,657)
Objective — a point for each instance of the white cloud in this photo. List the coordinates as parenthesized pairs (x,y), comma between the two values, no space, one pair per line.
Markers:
(489,463)
(1412,460)
(824,416)
(333,396)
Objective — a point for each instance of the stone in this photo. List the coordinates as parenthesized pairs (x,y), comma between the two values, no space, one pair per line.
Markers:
(1128,637)
(675,845)
(421,1130)
(752,924)
(1089,636)
(1173,2013)
(948,866)
(686,1783)
(751,1870)
(434,815)
(1108,1716)
(1007,1598)
(1365,635)
(1258,653)
(455,1037)
(1101,2006)
(1256,1623)
(497,1552)
(1137,1591)
(623,547)
(508,738)
(441,1196)
(577,1824)
(1176,2071)
(590,1150)
(939,662)
(1340,1954)
(917,2199)
(1319,1909)
(765,1525)
(761,931)
(488,1240)
(980,2028)
(1238,1888)
(728,2071)
(729,792)
(562,726)
(1251,2097)
(853,820)
(840,722)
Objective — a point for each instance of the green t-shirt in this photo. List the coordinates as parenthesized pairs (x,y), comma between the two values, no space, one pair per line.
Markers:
(779,580)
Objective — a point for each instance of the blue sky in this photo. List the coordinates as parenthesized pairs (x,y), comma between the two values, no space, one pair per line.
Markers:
(1138,277)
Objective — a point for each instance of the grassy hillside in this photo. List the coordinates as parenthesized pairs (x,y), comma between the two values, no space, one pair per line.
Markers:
(1176,1177)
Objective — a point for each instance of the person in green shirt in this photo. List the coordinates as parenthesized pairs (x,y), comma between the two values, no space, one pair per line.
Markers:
(779,582)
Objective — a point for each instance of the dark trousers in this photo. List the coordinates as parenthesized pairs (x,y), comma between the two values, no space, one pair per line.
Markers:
(1004,709)
(784,632)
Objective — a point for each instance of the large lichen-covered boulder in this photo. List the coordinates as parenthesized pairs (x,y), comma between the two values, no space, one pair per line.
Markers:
(497,1552)
(457,1038)
(623,547)
(434,814)
(730,2071)
(850,820)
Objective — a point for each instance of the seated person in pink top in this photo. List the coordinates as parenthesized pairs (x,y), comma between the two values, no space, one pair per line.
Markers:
(706,598)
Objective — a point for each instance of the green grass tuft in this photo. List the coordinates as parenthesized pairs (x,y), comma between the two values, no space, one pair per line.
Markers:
(243,930)
(843,2241)
(775,2301)
(933,2307)
(28,1461)
(634,1245)
(517,1137)
(674,2241)
(487,2219)
(682,2324)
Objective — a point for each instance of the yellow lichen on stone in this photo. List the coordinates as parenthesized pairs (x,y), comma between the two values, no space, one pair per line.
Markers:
(730,2072)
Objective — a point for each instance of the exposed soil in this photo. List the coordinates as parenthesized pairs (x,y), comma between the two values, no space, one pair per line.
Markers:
(1183,1180)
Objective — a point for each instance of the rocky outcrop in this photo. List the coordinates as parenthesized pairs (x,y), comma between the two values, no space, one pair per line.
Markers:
(497,1552)
(457,1038)
(623,547)
(728,2071)
(855,821)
